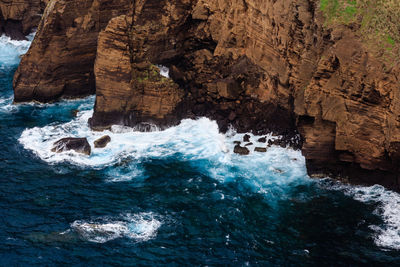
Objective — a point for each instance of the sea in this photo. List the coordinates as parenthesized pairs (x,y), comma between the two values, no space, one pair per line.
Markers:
(173,197)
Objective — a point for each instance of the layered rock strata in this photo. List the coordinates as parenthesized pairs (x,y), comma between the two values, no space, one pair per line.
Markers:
(19,17)
(257,65)
(61,59)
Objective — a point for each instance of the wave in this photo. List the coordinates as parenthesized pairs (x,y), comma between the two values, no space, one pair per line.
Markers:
(200,143)
(138,227)
(388,208)
(11,50)
(196,141)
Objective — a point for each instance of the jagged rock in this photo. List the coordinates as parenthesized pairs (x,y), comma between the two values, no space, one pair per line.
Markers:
(246,138)
(80,145)
(102,141)
(260,149)
(241,150)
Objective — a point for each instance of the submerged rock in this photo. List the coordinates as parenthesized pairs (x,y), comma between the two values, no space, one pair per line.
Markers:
(241,150)
(80,145)
(260,149)
(102,141)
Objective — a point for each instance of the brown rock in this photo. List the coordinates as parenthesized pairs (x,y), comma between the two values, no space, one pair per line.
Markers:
(262,140)
(18,18)
(61,59)
(260,149)
(246,138)
(80,145)
(102,141)
(241,150)
(275,63)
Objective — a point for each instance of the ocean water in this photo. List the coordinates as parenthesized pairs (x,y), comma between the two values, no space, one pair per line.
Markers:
(173,197)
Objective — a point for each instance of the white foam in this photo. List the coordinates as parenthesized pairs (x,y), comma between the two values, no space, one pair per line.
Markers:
(196,141)
(164,71)
(139,227)
(388,208)
(11,50)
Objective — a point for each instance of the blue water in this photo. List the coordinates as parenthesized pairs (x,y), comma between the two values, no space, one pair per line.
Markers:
(174,197)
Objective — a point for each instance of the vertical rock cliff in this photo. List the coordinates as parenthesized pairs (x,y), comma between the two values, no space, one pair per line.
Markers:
(258,65)
(61,58)
(19,17)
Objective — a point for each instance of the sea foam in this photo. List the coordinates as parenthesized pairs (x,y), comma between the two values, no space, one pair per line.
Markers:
(388,208)
(138,227)
(11,50)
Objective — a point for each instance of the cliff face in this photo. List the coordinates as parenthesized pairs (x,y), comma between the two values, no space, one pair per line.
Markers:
(19,17)
(61,58)
(258,65)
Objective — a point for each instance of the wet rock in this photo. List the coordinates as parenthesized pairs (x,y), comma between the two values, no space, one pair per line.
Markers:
(249,144)
(79,145)
(246,138)
(260,149)
(262,140)
(237,142)
(102,141)
(241,150)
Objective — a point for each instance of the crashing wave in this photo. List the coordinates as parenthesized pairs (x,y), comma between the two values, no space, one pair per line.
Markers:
(138,227)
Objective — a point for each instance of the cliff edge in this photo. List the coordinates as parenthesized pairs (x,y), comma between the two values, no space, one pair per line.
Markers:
(289,67)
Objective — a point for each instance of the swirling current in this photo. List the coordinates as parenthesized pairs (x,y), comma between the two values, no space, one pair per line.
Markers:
(173,197)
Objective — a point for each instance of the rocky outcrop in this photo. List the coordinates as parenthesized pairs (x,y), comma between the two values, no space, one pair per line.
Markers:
(19,17)
(79,145)
(61,59)
(257,65)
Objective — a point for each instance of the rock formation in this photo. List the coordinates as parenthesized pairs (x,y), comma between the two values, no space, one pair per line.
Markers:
(60,61)
(258,65)
(19,17)
(79,145)
(102,141)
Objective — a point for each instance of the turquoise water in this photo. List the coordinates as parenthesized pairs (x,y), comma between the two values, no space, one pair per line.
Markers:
(173,197)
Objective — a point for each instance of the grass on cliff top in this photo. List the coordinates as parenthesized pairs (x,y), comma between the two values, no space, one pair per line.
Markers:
(378,21)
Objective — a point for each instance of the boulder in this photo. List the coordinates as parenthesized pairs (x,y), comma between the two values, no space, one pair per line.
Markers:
(262,140)
(246,138)
(102,141)
(241,150)
(79,145)
(260,149)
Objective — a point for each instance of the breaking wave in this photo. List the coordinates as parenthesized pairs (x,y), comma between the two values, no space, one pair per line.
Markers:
(138,227)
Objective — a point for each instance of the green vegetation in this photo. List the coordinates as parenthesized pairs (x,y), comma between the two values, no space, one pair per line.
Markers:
(377,21)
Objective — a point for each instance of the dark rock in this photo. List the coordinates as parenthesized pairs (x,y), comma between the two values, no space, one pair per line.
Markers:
(237,142)
(249,144)
(102,141)
(80,145)
(262,140)
(260,149)
(246,138)
(241,150)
